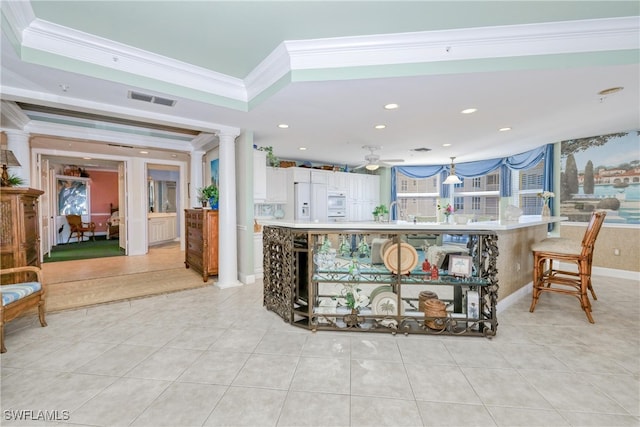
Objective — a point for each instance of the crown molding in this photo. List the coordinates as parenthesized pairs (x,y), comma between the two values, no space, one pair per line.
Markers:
(77,45)
(446,45)
(93,134)
(97,108)
(12,116)
(326,54)
(18,15)
(467,43)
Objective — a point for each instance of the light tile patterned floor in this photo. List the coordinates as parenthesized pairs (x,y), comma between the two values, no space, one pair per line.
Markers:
(211,357)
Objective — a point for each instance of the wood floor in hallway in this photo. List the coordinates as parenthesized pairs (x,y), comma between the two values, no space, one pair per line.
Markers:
(73,284)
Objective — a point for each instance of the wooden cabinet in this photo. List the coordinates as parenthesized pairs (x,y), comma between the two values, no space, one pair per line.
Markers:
(201,242)
(20,236)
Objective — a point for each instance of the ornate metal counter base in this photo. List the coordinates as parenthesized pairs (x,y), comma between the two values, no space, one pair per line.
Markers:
(305,281)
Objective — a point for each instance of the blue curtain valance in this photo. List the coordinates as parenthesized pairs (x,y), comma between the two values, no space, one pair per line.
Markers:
(520,161)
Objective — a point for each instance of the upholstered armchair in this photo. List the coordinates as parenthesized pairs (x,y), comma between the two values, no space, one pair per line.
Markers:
(22,289)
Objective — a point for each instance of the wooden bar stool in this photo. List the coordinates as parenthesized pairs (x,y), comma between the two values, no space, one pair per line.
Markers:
(548,277)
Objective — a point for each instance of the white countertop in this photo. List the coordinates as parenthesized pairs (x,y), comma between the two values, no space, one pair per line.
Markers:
(523,222)
(161,214)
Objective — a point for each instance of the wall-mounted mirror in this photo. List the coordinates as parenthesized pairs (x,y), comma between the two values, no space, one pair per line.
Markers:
(162,196)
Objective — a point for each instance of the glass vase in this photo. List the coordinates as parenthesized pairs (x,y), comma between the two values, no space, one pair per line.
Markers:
(546,211)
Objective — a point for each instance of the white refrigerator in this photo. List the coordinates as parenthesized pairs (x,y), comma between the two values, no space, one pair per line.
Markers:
(310,202)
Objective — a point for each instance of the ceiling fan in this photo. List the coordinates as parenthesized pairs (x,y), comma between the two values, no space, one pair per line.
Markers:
(373,161)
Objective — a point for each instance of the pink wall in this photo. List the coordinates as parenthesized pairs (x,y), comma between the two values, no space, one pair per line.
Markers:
(104,190)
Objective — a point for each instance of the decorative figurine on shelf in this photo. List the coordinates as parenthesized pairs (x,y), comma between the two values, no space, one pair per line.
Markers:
(426,267)
(363,248)
(345,248)
(434,272)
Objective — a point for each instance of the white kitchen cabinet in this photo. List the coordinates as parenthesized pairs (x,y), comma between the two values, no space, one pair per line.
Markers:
(319,177)
(259,176)
(299,174)
(276,185)
(363,196)
(338,181)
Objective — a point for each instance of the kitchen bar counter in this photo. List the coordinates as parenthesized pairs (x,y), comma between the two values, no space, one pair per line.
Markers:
(525,221)
(500,251)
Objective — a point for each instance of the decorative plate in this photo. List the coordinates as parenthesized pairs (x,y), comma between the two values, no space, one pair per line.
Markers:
(384,247)
(408,258)
(386,304)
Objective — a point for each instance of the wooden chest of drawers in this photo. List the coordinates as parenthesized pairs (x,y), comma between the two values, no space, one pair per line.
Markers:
(201,242)
(19,234)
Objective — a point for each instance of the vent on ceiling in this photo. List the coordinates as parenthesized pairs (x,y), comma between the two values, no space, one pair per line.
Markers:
(121,146)
(138,96)
(422,149)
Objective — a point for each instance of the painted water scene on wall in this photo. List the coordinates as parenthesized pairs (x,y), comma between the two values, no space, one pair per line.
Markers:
(601,172)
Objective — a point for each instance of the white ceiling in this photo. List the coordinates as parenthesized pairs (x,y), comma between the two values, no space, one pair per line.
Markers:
(326,69)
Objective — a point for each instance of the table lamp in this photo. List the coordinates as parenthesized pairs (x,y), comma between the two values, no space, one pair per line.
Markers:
(8,159)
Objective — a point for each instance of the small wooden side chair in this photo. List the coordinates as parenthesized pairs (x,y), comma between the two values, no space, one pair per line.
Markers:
(548,277)
(24,289)
(78,227)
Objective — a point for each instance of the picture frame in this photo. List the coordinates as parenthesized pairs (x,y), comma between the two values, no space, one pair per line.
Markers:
(460,265)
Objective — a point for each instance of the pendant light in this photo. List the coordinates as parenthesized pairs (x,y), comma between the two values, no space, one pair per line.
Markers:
(452,178)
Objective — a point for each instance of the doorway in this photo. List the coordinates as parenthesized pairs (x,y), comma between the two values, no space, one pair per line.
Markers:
(86,187)
(163,203)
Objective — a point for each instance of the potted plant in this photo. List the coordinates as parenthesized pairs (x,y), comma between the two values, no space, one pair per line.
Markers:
(272,160)
(379,213)
(12,181)
(208,194)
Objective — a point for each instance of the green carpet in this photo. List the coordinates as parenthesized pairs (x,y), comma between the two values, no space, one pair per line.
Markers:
(85,250)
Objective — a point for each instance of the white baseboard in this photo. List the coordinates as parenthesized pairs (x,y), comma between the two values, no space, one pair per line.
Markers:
(247,279)
(525,290)
(610,272)
(595,271)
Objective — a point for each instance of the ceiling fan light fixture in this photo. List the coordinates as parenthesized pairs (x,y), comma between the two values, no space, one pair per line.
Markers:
(372,167)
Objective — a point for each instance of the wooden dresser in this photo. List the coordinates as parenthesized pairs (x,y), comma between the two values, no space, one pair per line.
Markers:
(20,235)
(201,244)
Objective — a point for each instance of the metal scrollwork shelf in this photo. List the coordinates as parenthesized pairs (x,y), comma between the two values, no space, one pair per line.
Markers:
(337,280)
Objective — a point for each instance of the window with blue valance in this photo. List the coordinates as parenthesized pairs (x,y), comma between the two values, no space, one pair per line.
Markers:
(520,161)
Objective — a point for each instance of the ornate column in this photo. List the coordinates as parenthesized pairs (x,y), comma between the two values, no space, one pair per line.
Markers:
(227,234)
(18,143)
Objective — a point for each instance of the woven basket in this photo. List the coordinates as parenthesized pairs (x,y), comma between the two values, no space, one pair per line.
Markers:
(423,297)
(434,308)
(287,164)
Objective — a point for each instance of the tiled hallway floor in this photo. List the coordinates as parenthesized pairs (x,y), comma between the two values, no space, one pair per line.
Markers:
(217,357)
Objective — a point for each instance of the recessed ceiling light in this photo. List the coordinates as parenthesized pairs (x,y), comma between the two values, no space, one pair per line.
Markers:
(469,111)
(302,148)
(391,106)
(144,152)
(87,158)
(380,126)
(446,145)
(283,126)
(610,91)
(504,129)
(174,155)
